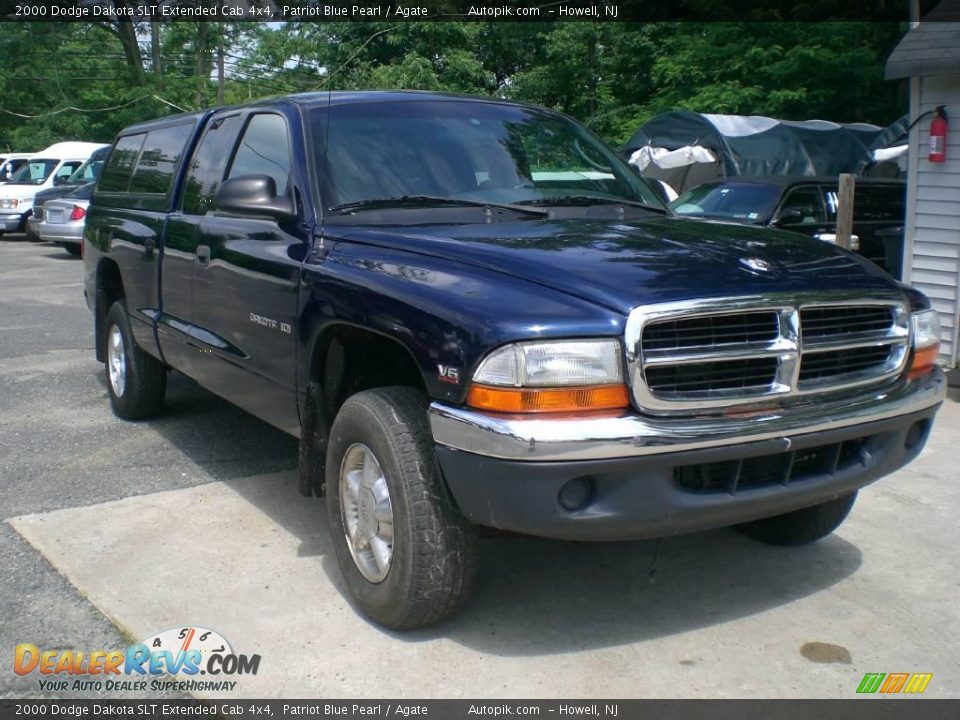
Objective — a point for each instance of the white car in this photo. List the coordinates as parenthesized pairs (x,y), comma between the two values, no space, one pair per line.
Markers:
(42,170)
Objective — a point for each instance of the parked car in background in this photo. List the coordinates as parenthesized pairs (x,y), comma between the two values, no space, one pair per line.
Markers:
(41,171)
(808,205)
(64,218)
(10,163)
(84,175)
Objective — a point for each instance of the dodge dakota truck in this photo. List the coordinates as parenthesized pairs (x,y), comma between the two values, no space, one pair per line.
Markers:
(472,313)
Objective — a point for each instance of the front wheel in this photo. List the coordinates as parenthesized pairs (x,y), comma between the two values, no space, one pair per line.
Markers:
(405,550)
(136,381)
(801,526)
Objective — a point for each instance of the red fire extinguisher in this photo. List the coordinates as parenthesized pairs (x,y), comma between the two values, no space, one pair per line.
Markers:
(938,136)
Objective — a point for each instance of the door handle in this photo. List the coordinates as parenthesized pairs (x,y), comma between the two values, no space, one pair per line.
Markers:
(148,246)
(203,255)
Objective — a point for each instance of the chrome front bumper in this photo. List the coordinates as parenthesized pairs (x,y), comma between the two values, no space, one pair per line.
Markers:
(632,435)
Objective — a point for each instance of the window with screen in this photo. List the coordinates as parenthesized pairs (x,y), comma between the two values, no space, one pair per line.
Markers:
(158,161)
(119,168)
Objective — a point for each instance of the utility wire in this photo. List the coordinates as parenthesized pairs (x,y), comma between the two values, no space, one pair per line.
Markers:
(93,110)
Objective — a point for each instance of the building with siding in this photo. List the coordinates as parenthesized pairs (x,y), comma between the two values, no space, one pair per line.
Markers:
(929,55)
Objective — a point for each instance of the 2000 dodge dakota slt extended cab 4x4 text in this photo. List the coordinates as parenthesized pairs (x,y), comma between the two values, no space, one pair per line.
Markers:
(473,313)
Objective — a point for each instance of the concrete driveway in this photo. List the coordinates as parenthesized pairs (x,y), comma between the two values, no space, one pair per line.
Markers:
(117,531)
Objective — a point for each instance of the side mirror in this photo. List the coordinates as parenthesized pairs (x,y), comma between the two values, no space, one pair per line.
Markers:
(790,216)
(254,195)
(59,179)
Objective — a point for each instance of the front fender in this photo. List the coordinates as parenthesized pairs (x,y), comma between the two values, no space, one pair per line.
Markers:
(447,315)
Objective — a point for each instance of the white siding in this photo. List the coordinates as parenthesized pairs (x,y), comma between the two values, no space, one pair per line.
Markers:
(933,241)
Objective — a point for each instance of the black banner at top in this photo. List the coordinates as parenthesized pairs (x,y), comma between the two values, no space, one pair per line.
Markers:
(474,10)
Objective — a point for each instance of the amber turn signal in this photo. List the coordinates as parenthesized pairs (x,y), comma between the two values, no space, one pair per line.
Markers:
(923,361)
(548,400)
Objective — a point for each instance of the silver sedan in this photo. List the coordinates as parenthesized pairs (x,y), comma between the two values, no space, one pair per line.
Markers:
(62,222)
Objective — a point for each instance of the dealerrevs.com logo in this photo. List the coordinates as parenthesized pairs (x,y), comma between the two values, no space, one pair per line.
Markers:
(169,660)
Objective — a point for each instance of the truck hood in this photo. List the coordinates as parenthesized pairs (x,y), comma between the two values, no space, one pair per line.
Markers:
(622,264)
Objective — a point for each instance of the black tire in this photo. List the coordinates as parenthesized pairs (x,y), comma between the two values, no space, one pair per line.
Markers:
(141,395)
(801,526)
(72,248)
(434,546)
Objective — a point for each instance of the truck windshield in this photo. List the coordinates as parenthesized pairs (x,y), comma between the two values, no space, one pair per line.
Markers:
(743,202)
(34,172)
(465,151)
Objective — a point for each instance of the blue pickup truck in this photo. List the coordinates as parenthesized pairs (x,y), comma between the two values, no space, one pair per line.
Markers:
(472,313)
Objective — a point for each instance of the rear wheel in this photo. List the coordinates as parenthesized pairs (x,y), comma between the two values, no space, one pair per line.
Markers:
(405,550)
(801,526)
(136,381)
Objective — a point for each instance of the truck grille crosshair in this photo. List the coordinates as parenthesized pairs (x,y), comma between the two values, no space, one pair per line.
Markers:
(697,356)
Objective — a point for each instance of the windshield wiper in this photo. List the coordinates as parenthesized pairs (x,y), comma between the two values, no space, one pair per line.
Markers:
(593,200)
(428,200)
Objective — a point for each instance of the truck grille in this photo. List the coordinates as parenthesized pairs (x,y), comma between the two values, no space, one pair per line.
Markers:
(733,476)
(685,358)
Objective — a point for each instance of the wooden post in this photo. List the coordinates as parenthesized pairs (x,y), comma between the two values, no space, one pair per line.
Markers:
(845,210)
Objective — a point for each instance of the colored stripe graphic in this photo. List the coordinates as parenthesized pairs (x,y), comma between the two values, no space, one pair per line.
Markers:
(871,682)
(918,682)
(894,682)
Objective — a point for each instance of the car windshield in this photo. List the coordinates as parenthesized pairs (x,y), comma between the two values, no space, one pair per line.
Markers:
(34,172)
(743,202)
(447,152)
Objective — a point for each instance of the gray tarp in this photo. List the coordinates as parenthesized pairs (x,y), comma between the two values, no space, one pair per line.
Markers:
(753,145)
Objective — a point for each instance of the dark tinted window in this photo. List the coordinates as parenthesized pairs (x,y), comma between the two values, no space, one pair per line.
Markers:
(208,165)
(745,202)
(808,201)
(158,160)
(116,174)
(879,203)
(264,150)
(465,150)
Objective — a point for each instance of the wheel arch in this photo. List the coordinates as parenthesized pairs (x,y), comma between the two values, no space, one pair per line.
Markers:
(342,360)
(109,290)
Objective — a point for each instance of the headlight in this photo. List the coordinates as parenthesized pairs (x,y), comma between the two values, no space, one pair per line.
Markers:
(554,376)
(925,335)
(9,203)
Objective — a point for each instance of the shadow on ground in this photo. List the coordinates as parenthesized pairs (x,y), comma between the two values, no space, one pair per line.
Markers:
(220,438)
(531,596)
(543,597)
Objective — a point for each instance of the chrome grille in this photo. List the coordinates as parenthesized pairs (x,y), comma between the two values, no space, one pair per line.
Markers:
(711,330)
(743,374)
(717,354)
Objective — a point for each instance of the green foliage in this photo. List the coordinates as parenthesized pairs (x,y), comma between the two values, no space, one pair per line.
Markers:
(612,76)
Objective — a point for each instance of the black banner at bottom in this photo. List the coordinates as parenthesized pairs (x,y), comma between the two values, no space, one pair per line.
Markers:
(874,708)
